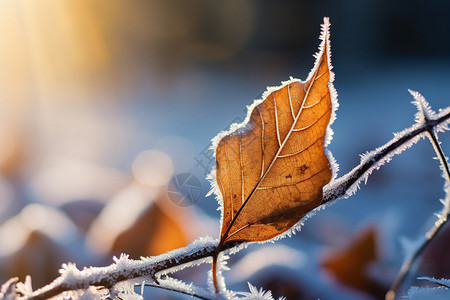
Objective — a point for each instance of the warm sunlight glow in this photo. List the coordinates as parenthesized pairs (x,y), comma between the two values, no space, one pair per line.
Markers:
(51,46)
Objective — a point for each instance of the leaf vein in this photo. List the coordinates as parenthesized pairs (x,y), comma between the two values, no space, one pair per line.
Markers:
(262,141)
(276,120)
(315,121)
(294,183)
(242,168)
(320,100)
(229,178)
(321,74)
(302,150)
(290,102)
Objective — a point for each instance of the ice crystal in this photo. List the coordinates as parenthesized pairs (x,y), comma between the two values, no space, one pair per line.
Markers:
(256,294)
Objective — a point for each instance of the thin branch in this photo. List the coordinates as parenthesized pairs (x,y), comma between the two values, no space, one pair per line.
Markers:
(347,184)
(440,154)
(109,276)
(406,267)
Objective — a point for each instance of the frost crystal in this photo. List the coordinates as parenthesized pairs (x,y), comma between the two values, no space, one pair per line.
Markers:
(188,289)
(256,294)
(426,293)
(439,293)
(8,290)
(424,112)
(25,288)
(443,215)
(442,282)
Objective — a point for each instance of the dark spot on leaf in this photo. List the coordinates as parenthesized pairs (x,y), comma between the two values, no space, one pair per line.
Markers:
(289,176)
(234,196)
(302,169)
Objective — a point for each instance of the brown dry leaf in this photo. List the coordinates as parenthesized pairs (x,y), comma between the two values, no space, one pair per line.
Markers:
(271,170)
(156,231)
(350,265)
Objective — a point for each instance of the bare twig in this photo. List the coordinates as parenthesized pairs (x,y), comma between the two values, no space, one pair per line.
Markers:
(393,291)
(114,276)
(346,185)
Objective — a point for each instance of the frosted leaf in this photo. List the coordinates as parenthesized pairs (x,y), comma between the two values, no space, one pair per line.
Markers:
(256,294)
(234,128)
(297,227)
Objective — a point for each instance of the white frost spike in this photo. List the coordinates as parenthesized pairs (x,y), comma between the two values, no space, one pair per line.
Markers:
(91,294)
(256,294)
(69,271)
(444,213)
(442,282)
(25,288)
(425,112)
(426,293)
(324,46)
(438,293)
(122,261)
(8,290)
(190,289)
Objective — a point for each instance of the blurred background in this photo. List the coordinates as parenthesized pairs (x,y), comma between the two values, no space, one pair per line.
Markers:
(103,102)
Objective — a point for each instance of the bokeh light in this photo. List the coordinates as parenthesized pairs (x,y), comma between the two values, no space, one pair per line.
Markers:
(153,168)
